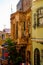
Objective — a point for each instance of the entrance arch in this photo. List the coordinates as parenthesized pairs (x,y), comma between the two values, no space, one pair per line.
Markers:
(36,57)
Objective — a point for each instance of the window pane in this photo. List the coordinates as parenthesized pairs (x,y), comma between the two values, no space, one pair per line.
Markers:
(16,30)
(40,17)
(41,21)
(23,28)
(42,11)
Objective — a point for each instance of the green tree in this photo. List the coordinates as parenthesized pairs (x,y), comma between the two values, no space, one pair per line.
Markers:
(13,54)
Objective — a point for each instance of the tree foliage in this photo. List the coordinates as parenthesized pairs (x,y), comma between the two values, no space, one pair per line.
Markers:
(13,54)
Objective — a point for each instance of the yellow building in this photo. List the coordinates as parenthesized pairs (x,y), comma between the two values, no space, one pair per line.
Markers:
(27,31)
(37,32)
(3,36)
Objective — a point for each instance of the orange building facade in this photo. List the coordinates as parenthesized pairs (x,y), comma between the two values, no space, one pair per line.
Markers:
(21,32)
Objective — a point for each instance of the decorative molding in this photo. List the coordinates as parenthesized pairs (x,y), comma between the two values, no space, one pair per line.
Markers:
(39,40)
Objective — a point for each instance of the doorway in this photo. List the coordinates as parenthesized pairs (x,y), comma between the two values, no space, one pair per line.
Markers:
(36,57)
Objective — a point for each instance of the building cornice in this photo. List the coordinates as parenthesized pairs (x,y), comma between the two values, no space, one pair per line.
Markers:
(17,12)
(37,39)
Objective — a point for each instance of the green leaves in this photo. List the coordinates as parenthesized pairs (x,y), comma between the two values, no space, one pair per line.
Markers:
(14,55)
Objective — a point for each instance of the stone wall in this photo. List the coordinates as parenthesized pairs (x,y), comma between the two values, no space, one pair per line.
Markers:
(26,4)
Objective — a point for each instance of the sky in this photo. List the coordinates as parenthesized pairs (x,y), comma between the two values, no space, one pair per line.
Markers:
(5,12)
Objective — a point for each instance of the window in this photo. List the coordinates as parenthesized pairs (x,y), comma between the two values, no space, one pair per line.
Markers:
(42,11)
(35,21)
(23,28)
(3,36)
(40,17)
(16,30)
(29,35)
(41,21)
